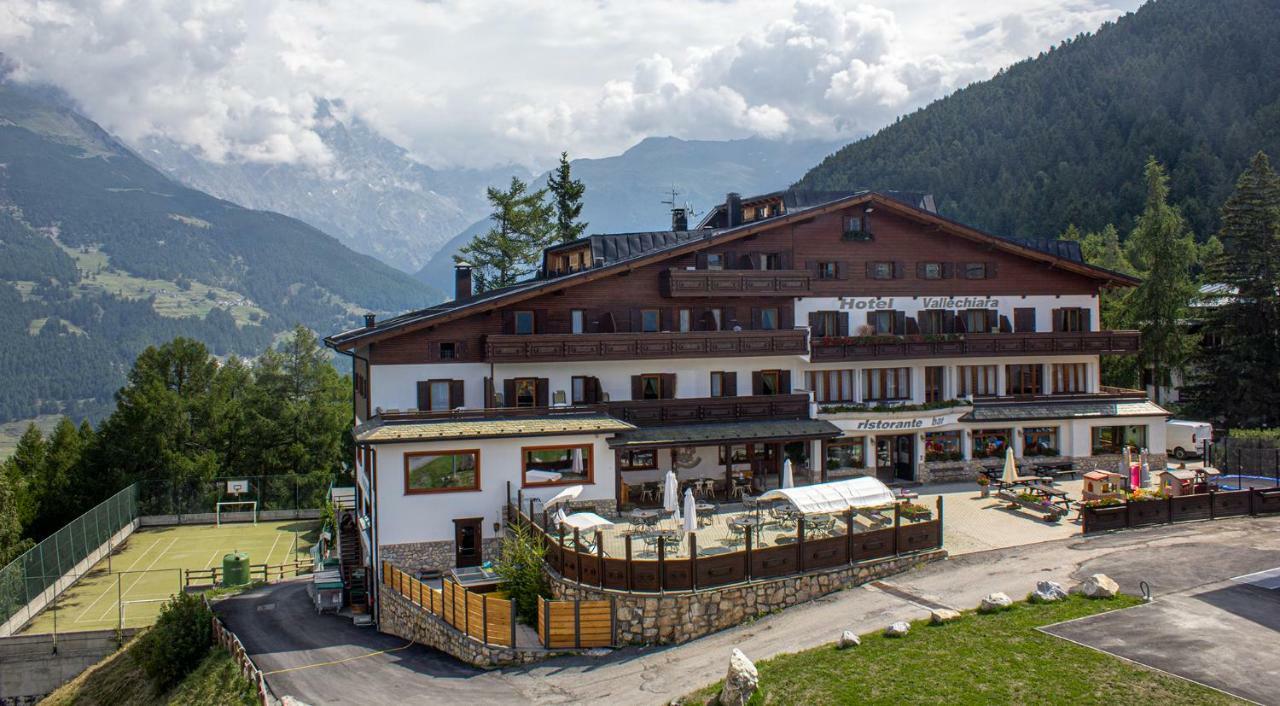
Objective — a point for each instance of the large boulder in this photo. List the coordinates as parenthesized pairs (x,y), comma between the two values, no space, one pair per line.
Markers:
(847,640)
(1097,586)
(898,629)
(939,616)
(995,602)
(1048,592)
(741,681)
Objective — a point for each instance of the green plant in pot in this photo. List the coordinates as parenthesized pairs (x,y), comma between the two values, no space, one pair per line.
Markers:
(984,486)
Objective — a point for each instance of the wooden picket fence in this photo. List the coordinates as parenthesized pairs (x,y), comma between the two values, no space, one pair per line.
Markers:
(209,578)
(486,618)
(575,623)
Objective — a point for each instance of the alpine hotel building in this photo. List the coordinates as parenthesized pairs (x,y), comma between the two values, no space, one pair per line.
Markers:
(853,333)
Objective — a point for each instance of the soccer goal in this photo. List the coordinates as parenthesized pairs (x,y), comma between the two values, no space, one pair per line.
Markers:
(142,611)
(238,507)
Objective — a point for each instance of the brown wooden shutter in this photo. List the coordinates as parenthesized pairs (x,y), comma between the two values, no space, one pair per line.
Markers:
(814,318)
(784,260)
(668,385)
(594,393)
(508,321)
(1059,320)
(635,321)
(784,382)
(424,394)
(871,319)
(870,266)
(668,322)
(700,261)
(1085,323)
(961,326)
(488,394)
(991,270)
(786,317)
(757,383)
(730,316)
(540,321)
(729,385)
(920,270)
(842,270)
(637,387)
(542,392)
(899,322)
(757,319)
(899,269)
(948,270)
(509,392)
(842,323)
(913,327)
(457,393)
(608,324)
(1024,320)
(1004,324)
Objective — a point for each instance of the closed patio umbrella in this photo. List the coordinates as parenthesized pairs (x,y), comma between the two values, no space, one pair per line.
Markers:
(1010,475)
(690,512)
(577,460)
(671,493)
(788,481)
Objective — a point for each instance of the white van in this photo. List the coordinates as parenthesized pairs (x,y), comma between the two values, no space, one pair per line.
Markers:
(1185,438)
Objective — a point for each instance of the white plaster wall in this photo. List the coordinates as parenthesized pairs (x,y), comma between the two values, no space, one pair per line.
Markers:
(429,517)
(396,386)
(1005,304)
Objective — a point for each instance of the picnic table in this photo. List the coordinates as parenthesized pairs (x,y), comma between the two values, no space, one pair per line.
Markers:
(1057,497)
(1056,470)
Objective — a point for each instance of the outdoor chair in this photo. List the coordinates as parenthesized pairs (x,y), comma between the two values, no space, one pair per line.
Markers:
(824,524)
(782,516)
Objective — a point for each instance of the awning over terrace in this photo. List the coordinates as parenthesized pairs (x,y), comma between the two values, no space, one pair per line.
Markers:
(836,496)
(1065,409)
(725,433)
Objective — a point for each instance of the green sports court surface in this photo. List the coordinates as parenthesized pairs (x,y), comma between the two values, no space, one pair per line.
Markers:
(147,569)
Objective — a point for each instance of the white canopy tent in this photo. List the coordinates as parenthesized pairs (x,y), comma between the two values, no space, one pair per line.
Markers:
(836,496)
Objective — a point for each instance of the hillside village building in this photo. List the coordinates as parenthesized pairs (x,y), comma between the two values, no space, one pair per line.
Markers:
(856,333)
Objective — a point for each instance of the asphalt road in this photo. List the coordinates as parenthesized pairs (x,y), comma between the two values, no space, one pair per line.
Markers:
(278,627)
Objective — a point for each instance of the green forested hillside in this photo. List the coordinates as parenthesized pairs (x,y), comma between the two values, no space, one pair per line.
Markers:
(1062,138)
(101,255)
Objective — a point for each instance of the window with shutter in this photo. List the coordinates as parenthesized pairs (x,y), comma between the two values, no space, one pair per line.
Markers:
(457,396)
(1024,320)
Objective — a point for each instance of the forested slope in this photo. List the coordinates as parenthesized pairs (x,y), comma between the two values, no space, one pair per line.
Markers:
(1062,138)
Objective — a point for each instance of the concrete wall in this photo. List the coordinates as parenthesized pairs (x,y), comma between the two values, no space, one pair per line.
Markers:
(31,666)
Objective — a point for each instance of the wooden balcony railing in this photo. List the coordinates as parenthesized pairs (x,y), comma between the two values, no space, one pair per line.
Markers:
(710,409)
(736,283)
(976,344)
(506,348)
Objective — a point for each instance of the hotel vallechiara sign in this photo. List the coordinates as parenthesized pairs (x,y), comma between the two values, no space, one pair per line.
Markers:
(886,303)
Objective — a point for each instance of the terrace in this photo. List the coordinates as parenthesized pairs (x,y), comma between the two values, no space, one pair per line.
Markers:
(883,347)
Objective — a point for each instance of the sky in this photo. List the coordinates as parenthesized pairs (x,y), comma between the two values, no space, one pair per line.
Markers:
(476,83)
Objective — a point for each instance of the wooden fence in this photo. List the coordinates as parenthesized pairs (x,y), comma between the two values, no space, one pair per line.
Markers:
(228,641)
(699,572)
(1202,506)
(211,577)
(486,618)
(575,623)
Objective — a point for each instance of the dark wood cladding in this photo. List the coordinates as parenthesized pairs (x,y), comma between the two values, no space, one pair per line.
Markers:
(979,344)
(710,409)
(500,348)
(736,283)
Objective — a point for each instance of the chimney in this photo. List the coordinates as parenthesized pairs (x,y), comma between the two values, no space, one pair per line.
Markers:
(370,320)
(679,219)
(461,280)
(733,209)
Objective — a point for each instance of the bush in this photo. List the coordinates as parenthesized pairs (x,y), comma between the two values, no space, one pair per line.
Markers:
(519,566)
(176,644)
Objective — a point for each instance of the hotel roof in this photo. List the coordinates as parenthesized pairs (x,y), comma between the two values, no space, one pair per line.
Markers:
(381,432)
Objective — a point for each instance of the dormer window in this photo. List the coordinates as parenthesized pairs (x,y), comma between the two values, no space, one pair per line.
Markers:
(524,323)
(715,261)
(770,261)
(650,320)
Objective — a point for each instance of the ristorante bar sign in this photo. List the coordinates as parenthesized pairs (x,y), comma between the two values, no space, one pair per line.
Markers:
(886,303)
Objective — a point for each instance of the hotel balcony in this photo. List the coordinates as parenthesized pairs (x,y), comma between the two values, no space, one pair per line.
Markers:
(710,409)
(736,283)
(973,345)
(507,348)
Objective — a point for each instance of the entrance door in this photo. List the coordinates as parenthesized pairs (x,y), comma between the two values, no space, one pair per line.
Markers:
(904,460)
(884,458)
(466,542)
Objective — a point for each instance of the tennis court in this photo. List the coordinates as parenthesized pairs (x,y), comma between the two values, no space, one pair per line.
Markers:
(148,568)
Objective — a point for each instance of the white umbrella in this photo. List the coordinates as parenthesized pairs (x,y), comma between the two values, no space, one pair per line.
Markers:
(690,511)
(577,460)
(671,493)
(788,481)
(1010,475)
(565,495)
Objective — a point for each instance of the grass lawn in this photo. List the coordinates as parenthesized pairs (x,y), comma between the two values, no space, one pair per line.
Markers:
(979,659)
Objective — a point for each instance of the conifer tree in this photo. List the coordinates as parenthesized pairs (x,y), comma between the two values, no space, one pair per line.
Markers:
(567,193)
(1238,375)
(1163,251)
(511,249)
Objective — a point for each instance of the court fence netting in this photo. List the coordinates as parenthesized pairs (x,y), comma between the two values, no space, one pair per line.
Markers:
(31,582)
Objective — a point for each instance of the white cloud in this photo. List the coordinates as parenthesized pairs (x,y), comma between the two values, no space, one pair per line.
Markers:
(469,83)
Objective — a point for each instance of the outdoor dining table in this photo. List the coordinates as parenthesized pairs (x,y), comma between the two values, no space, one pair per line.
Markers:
(646,517)
(705,510)
(746,524)
(1058,497)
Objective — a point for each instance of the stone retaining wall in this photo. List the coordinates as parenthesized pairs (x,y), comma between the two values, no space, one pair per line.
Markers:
(413,557)
(397,616)
(652,618)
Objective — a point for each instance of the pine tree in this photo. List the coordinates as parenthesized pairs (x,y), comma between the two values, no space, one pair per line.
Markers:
(1103,249)
(11,542)
(1238,376)
(510,250)
(567,193)
(1163,251)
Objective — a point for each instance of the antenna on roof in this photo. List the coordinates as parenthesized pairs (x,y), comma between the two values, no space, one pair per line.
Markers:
(672,201)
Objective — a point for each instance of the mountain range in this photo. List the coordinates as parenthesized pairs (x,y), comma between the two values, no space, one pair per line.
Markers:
(1062,138)
(102,255)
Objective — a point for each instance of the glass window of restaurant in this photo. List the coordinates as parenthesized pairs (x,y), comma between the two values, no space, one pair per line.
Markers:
(441,472)
(1040,441)
(638,460)
(1113,439)
(944,446)
(991,443)
(846,453)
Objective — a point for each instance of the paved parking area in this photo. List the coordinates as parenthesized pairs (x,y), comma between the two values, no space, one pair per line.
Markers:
(972,523)
(1225,635)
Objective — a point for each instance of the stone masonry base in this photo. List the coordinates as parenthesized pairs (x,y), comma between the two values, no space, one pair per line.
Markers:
(652,618)
(397,616)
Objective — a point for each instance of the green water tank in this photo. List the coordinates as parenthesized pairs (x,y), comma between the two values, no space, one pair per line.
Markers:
(235,569)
